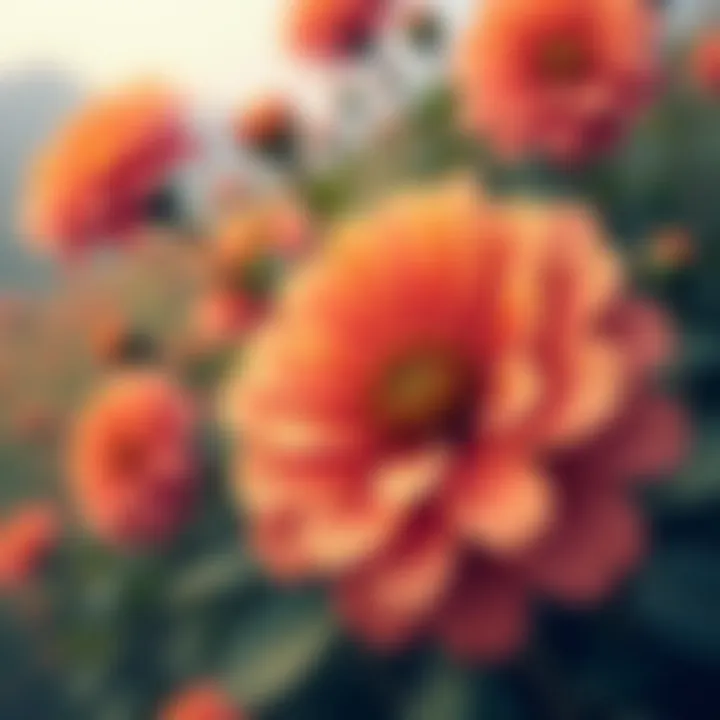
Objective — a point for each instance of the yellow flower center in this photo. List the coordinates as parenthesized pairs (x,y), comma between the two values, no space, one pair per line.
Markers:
(564,58)
(423,393)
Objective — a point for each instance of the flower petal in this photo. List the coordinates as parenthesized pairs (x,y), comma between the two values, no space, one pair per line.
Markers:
(501,504)
(598,539)
(400,587)
(410,478)
(486,615)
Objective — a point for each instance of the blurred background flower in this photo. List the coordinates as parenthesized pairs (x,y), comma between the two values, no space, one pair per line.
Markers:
(100,179)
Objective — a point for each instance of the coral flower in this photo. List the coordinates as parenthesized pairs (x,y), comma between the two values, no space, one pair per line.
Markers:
(445,415)
(132,460)
(97,179)
(27,540)
(705,62)
(333,29)
(267,126)
(202,702)
(560,78)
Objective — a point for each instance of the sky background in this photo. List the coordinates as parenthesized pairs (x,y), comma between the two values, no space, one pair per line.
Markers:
(218,49)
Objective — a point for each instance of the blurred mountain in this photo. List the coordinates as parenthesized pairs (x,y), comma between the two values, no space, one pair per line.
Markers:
(31,104)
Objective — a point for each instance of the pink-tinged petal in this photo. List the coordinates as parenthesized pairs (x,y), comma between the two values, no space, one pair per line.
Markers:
(264,487)
(312,437)
(593,392)
(486,615)
(645,333)
(350,535)
(514,390)
(274,538)
(399,588)
(661,435)
(648,442)
(500,503)
(597,540)
(412,477)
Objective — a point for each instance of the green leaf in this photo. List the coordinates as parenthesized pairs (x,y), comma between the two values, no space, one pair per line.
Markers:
(446,691)
(210,578)
(698,481)
(278,646)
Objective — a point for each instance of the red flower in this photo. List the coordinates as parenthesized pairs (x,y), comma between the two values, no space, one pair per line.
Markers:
(557,77)
(201,702)
(705,62)
(93,182)
(333,29)
(445,416)
(133,465)
(27,539)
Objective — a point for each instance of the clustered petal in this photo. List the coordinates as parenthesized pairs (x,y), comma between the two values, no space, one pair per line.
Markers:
(444,413)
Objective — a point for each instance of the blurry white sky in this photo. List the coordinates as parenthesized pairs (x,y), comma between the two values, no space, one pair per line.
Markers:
(217,48)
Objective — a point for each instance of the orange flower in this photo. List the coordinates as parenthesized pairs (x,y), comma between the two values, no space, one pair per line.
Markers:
(445,415)
(558,77)
(705,62)
(201,702)
(267,126)
(133,465)
(27,540)
(95,181)
(333,29)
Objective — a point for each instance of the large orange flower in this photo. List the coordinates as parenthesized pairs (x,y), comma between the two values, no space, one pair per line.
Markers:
(446,414)
(557,77)
(95,179)
(333,29)
(706,62)
(133,465)
(201,702)
(27,540)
